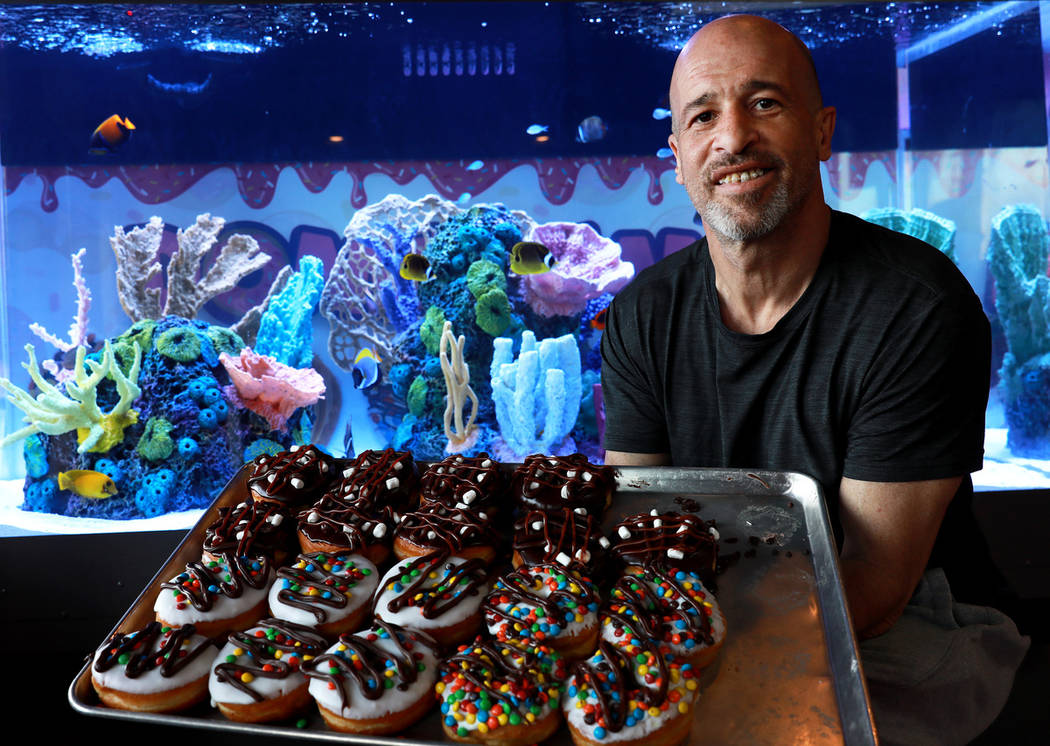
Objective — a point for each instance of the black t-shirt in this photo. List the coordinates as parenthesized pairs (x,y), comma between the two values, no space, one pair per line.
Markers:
(879,372)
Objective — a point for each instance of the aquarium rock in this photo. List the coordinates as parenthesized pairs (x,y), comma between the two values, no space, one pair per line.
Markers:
(588,265)
(538,395)
(271,389)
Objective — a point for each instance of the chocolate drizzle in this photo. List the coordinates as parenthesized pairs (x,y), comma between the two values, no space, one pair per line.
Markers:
(202,584)
(142,652)
(454,583)
(259,658)
(385,478)
(526,588)
(562,537)
(351,526)
(293,477)
(372,660)
(650,613)
(490,665)
(463,482)
(312,587)
(616,672)
(248,529)
(554,482)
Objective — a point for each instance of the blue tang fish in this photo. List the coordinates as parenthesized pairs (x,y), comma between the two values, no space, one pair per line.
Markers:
(87,483)
(366,368)
(591,129)
(110,135)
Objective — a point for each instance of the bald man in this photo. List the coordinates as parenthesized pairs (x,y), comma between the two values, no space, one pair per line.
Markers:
(795,337)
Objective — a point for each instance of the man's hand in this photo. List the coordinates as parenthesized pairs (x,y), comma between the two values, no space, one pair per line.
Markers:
(621,458)
(889,530)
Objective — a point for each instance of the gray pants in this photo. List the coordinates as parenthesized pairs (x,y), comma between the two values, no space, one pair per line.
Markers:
(943,672)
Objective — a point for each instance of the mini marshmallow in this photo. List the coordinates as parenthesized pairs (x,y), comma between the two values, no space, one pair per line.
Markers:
(624,533)
(297,483)
(675,553)
(379,531)
(393,483)
(563,559)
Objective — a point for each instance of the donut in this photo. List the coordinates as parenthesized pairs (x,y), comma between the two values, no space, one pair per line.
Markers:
(331,592)
(153,669)
(499,693)
(632,693)
(464,482)
(438,594)
(382,478)
(292,478)
(216,596)
(334,525)
(667,605)
(435,526)
(257,676)
(377,681)
(545,604)
(249,529)
(670,539)
(564,536)
(554,482)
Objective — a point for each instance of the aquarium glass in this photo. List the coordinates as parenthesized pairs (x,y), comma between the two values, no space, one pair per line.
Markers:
(397,225)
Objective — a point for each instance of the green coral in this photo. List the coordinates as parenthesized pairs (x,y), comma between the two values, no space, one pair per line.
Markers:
(140,332)
(225,340)
(417,396)
(483,276)
(261,446)
(492,312)
(430,329)
(180,344)
(156,443)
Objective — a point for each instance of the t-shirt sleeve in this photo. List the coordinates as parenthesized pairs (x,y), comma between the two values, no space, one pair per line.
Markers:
(634,414)
(921,413)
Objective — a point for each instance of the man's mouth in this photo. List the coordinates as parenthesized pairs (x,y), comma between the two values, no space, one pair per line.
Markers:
(741,176)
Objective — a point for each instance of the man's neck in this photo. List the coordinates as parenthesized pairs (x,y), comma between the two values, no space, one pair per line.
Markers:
(759,281)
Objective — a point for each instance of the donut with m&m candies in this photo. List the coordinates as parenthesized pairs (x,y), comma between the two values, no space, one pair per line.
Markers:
(331,592)
(216,596)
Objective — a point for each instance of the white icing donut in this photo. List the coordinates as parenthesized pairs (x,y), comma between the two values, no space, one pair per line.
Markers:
(323,588)
(432,592)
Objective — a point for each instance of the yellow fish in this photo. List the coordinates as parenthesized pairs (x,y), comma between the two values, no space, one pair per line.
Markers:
(415,267)
(531,258)
(87,483)
(110,135)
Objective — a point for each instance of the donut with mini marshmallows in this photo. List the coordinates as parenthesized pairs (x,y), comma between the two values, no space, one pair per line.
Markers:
(377,681)
(497,693)
(670,606)
(563,537)
(292,478)
(331,592)
(385,478)
(154,669)
(437,527)
(630,694)
(554,482)
(465,482)
(257,675)
(544,604)
(437,594)
(249,529)
(333,525)
(216,596)
(680,540)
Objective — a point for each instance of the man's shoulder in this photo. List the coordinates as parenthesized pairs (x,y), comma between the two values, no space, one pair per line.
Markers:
(659,280)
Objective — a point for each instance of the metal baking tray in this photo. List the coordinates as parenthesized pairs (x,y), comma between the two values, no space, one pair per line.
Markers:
(789,670)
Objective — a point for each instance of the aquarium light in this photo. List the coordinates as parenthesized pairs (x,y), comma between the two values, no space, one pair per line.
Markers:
(225,47)
(975,24)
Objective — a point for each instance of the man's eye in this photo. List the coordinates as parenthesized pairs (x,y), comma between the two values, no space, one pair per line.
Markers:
(765,103)
(705,116)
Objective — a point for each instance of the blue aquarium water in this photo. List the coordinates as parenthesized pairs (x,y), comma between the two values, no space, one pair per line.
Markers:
(228,229)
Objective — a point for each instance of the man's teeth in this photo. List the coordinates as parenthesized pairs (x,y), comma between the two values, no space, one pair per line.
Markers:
(742,176)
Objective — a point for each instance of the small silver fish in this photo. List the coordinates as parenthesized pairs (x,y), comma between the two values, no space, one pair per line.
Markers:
(661,113)
(536,129)
(476,166)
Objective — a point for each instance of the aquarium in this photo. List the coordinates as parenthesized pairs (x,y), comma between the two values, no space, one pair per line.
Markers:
(228,229)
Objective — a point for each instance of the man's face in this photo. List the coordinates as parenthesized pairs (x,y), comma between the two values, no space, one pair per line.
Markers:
(750,131)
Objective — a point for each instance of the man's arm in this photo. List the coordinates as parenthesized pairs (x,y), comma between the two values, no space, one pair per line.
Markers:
(622,458)
(889,530)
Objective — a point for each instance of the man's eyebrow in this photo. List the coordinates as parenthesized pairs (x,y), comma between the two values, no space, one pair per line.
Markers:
(752,86)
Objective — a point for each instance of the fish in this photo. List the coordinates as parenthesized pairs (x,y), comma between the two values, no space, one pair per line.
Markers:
(87,483)
(598,322)
(366,368)
(536,129)
(476,166)
(110,135)
(664,153)
(531,258)
(416,267)
(591,129)
(661,113)
(348,439)
(463,198)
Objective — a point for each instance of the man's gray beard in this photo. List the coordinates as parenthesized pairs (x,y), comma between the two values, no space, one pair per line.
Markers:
(716,217)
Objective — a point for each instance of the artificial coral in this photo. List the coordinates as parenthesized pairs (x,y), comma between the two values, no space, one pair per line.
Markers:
(935,230)
(457,384)
(53,413)
(270,389)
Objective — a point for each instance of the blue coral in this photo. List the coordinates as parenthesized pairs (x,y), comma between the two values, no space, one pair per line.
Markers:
(110,468)
(34,452)
(188,447)
(152,497)
(41,496)
(286,328)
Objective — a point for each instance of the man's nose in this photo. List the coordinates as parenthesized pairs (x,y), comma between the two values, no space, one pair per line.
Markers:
(736,131)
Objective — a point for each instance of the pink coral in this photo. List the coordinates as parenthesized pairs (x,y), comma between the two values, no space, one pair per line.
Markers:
(587,266)
(271,389)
